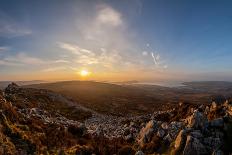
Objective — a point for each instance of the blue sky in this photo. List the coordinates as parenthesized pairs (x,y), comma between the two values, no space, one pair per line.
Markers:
(150,40)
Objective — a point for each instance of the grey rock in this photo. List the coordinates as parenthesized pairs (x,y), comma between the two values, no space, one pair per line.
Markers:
(213,142)
(197,120)
(196,134)
(160,133)
(218,152)
(194,147)
(139,153)
(219,122)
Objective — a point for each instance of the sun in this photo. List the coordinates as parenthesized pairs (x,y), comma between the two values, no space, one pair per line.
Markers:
(84,73)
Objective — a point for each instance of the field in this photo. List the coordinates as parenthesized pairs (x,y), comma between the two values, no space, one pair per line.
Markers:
(134,99)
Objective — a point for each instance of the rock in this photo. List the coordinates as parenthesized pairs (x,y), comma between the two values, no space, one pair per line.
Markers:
(194,147)
(168,138)
(132,124)
(11,88)
(207,109)
(126,131)
(196,134)
(213,142)
(180,140)
(218,152)
(129,137)
(139,153)
(160,133)
(197,120)
(213,106)
(219,122)
(146,133)
(218,134)
(164,125)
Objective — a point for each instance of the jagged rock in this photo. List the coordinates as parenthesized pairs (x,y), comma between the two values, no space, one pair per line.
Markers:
(164,125)
(132,124)
(196,134)
(11,88)
(180,140)
(139,153)
(194,147)
(219,122)
(146,133)
(129,137)
(218,134)
(197,120)
(160,133)
(213,106)
(213,142)
(218,152)
(207,110)
(168,138)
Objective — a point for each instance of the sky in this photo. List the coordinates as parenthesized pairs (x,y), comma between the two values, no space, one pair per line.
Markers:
(144,40)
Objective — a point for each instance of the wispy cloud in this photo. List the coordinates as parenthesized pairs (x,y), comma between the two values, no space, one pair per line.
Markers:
(144,53)
(75,49)
(108,15)
(53,69)
(10,28)
(7,63)
(87,57)
(4,48)
(24,59)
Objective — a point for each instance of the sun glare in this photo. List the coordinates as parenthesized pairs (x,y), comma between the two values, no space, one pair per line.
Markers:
(84,73)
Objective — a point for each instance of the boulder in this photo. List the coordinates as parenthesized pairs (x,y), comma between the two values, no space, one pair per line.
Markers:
(12,88)
(197,120)
(194,147)
(160,133)
(196,134)
(168,138)
(164,125)
(213,142)
(218,152)
(139,153)
(146,133)
(219,122)
(180,140)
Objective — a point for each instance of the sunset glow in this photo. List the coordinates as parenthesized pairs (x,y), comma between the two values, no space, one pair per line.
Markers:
(84,73)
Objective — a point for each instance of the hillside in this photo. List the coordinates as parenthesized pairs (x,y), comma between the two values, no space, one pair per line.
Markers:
(33,123)
(105,97)
(131,99)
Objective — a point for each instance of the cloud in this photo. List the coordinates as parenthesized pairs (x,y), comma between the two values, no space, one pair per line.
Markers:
(6,63)
(87,57)
(11,28)
(4,48)
(108,15)
(144,53)
(157,60)
(53,69)
(75,49)
(24,59)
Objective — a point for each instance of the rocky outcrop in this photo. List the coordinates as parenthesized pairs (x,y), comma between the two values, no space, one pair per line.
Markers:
(194,147)
(34,121)
(197,120)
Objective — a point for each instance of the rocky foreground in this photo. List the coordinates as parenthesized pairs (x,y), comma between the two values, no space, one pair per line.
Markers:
(42,122)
